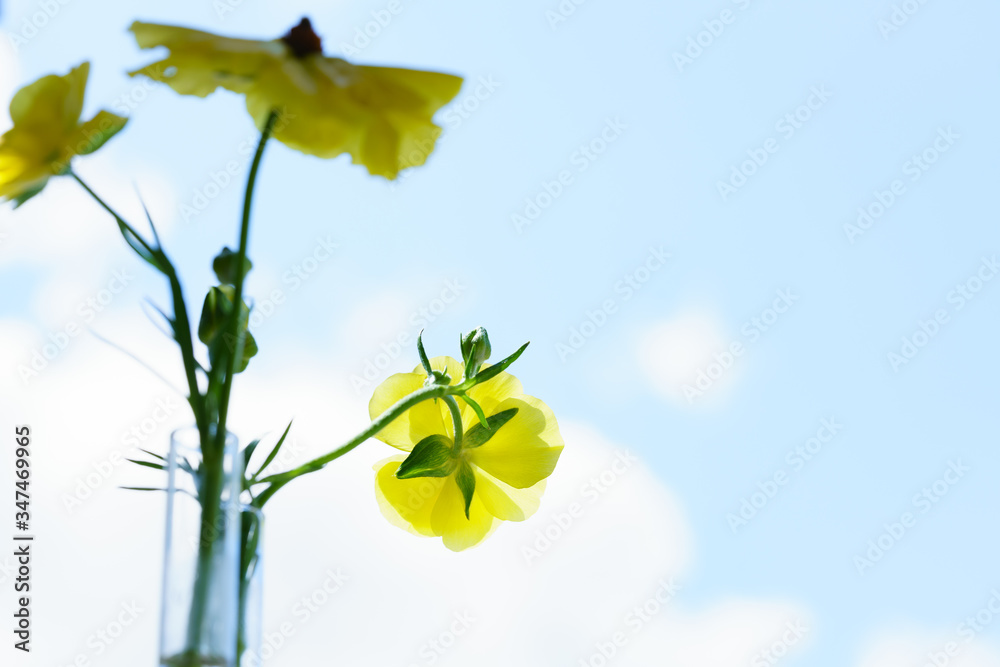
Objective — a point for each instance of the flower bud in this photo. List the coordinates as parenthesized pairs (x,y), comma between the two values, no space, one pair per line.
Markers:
(475,351)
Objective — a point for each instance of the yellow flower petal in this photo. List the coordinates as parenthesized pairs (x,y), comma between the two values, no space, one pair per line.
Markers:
(525,450)
(52,103)
(509,469)
(493,392)
(18,175)
(415,424)
(381,116)
(504,501)
(448,518)
(47,133)
(93,134)
(407,503)
(200,62)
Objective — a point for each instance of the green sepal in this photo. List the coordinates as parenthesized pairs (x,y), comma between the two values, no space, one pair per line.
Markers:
(492,371)
(28,194)
(99,129)
(424,361)
(225,266)
(479,435)
(430,458)
(466,481)
(476,408)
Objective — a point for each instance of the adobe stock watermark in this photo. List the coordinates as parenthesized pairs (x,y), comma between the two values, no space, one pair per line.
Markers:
(899,16)
(131,441)
(363,36)
(458,112)
(376,366)
(923,502)
(913,170)
(35,22)
(966,632)
(590,493)
(796,459)
(793,633)
(293,279)
(86,311)
(100,641)
(957,299)
(622,292)
(220,179)
(562,12)
(224,8)
(302,611)
(713,28)
(436,647)
(751,330)
(635,620)
(787,127)
(580,161)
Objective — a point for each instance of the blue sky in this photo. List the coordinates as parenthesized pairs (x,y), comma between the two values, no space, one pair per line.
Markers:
(662,134)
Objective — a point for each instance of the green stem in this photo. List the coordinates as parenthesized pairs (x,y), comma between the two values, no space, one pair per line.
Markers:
(210,498)
(235,330)
(456,420)
(279,480)
(182,325)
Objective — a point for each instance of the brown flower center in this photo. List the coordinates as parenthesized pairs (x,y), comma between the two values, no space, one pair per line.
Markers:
(303,40)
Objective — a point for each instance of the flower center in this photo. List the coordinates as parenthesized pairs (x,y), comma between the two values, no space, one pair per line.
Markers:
(303,40)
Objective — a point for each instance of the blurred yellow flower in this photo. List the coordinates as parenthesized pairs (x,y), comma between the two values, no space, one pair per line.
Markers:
(47,133)
(381,116)
(509,468)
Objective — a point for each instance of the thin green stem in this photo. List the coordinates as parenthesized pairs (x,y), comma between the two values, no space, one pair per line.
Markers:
(456,420)
(235,330)
(182,328)
(279,480)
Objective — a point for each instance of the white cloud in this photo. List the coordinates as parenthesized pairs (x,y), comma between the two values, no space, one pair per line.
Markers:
(9,74)
(679,358)
(596,559)
(923,648)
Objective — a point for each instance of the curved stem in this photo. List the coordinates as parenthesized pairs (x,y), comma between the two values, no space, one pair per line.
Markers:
(456,421)
(235,330)
(279,480)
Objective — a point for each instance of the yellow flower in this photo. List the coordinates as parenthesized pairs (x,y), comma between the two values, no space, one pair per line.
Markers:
(509,469)
(47,133)
(381,116)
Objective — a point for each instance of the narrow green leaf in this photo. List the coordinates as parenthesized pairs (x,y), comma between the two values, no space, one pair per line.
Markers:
(492,371)
(274,452)
(153,454)
(466,480)
(477,409)
(141,488)
(248,453)
(479,435)
(148,464)
(430,458)
(152,226)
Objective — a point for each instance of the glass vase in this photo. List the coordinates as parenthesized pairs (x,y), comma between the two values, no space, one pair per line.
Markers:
(251,588)
(202,568)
